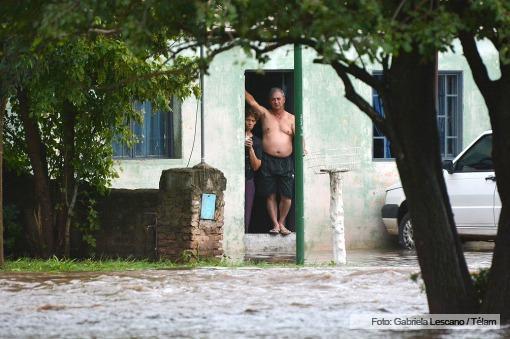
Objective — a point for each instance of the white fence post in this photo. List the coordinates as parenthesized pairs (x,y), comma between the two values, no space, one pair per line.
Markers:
(336,213)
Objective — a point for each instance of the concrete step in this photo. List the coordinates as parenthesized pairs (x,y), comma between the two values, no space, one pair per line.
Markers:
(269,245)
(280,249)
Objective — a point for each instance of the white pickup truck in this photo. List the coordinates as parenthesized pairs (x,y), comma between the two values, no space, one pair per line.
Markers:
(471,186)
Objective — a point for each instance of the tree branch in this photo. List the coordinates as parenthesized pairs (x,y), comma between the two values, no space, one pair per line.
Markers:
(354,44)
(496,41)
(137,78)
(3,105)
(397,10)
(355,98)
(385,62)
(359,73)
(475,62)
(105,32)
(266,49)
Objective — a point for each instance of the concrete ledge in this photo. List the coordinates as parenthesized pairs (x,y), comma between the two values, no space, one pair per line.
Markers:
(268,244)
(279,248)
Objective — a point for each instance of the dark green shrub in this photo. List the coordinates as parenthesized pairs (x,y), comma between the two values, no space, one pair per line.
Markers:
(480,279)
(13,231)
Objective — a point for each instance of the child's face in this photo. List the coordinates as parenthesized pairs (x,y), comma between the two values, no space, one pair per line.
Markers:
(249,123)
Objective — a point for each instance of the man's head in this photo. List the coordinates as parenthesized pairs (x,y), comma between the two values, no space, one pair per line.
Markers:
(277,98)
(250,119)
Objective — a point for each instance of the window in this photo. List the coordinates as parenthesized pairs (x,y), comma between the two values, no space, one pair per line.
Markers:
(449,113)
(157,135)
(449,117)
(381,144)
(478,158)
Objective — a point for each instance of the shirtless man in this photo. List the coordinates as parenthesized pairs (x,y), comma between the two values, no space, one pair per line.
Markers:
(277,172)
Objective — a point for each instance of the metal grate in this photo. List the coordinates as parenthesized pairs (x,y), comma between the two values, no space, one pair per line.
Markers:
(343,159)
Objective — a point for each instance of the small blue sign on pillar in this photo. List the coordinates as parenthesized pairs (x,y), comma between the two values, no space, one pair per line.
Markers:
(208,206)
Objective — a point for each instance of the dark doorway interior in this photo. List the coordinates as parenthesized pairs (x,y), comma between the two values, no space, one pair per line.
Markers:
(259,84)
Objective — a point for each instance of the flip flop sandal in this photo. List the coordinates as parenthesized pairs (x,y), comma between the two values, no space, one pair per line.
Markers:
(284,231)
(274,231)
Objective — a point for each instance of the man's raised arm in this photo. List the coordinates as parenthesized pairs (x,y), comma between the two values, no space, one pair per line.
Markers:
(258,109)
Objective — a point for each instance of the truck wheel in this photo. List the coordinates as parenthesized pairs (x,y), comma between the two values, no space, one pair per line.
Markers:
(405,232)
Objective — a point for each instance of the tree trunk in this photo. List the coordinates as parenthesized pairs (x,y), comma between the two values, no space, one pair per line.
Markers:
(495,93)
(497,298)
(3,105)
(410,111)
(67,185)
(44,228)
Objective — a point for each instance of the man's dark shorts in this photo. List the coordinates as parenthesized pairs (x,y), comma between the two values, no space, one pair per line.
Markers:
(276,175)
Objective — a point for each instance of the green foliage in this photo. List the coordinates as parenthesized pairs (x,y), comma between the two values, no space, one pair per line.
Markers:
(488,20)
(68,265)
(347,31)
(89,265)
(13,232)
(101,79)
(480,280)
(189,256)
(14,141)
(418,279)
(81,66)
(90,224)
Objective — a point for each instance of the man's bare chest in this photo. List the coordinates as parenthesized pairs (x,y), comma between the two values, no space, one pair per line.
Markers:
(274,124)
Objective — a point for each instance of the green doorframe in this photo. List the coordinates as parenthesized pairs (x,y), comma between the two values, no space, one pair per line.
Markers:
(298,156)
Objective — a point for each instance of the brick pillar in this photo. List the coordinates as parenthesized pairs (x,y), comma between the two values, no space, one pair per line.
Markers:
(180,228)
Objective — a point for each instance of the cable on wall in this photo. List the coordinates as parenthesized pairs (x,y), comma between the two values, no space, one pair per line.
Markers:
(194,136)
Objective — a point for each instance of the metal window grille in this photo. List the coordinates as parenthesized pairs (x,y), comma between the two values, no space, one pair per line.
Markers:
(449,117)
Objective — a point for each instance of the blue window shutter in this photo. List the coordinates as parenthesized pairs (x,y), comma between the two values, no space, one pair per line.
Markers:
(153,134)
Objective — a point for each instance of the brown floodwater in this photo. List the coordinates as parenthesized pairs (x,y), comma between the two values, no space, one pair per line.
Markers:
(222,302)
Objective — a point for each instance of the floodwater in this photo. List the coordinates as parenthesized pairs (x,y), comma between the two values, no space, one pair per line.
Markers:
(219,302)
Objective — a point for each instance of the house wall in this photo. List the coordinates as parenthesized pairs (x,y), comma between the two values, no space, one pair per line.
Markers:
(330,123)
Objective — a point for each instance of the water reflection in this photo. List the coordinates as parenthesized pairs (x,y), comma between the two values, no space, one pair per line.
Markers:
(213,302)
(366,258)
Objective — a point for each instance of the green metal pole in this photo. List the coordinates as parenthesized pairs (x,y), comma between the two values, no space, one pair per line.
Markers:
(298,156)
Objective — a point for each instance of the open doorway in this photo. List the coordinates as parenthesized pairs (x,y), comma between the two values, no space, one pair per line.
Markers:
(259,84)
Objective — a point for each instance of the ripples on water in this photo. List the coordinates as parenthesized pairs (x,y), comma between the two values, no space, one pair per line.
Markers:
(244,302)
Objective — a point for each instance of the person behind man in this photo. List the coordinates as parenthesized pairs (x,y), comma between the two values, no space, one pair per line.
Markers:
(252,155)
(277,171)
